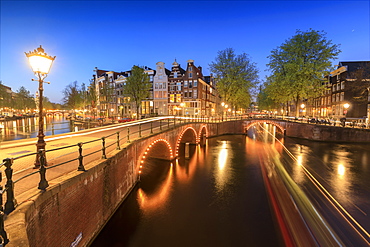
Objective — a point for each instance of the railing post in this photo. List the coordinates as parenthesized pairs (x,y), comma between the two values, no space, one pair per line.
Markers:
(80,158)
(128,134)
(174,121)
(139,130)
(151,127)
(160,124)
(43,182)
(118,146)
(52,128)
(4,238)
(9,186)
(168,123)
(103,148)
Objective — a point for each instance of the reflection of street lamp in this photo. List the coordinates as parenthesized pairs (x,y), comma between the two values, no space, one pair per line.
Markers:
(41,64)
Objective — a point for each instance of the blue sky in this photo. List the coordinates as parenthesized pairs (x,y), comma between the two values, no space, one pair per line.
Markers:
(115,35)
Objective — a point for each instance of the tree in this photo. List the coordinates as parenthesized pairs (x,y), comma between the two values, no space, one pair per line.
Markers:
(299,65)
(137,87)
(72,96)
(5,97)
(91,97)
(235,77)
(24,99)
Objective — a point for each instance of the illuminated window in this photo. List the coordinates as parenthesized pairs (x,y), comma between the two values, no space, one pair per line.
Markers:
(178,97)
(172,98)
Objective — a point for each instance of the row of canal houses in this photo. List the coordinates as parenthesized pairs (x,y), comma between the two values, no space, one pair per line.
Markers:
(182,92)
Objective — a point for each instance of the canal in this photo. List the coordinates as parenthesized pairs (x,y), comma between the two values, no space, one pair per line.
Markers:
(28,127)
(218,196)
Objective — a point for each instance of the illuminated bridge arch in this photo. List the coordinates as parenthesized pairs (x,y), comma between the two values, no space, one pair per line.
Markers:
(157,147)
(256,122)
(188,135)
(202,134)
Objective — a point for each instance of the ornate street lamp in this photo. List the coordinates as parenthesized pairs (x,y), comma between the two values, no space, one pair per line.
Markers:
(41,64)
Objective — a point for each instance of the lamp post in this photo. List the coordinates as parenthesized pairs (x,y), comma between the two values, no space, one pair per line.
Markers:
(41,64)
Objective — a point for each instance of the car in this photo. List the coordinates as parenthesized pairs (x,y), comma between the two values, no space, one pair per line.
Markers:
(125,119)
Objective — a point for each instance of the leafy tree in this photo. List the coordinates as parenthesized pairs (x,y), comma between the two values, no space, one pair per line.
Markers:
(137,87)
(299,65)
(5,97)
(72,96)
(91,97)
(235,77)
(24,99)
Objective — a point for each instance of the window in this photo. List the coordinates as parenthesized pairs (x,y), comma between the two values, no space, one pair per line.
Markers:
(190,94)
(190,84)
(190,68)
(195,93)
(178,97)
(190,75)
(333,87)
(341,96)
(172,98)
(185,83)
(195,83)
(185,94)
(342,85)
(156,86)
(175,75)
(160,77)
(179,86)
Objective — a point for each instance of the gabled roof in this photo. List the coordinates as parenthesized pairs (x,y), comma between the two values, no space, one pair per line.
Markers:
(356,65)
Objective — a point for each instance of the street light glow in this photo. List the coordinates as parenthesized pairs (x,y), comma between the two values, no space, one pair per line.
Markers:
(40,61)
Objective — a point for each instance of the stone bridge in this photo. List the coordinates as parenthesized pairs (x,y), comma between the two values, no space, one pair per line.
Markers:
(76,206)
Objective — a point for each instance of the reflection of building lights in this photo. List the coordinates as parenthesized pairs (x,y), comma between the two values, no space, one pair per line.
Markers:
(341,170)
(222,156)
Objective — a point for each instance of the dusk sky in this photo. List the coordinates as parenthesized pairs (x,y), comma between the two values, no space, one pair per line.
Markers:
(115,35)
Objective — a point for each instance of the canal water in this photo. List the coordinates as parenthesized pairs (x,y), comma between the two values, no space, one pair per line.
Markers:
(218,198)
(215,198)
(28,127)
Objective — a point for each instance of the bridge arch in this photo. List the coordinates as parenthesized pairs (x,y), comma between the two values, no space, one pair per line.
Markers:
(189,134)
(255,122)
(202,134)
(157,147)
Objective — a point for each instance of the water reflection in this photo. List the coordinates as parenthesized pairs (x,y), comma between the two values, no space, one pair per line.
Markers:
(222,173)
(28,127)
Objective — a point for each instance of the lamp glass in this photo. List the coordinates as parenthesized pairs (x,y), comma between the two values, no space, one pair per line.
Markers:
(40,64)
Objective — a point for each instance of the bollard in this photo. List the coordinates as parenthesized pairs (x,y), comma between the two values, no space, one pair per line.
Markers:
(80,158)
(118,146)
(168,123)
(151,127)
(103,148)
(52,128)
(9,186)
(160,124)
(43,182)
(139,130)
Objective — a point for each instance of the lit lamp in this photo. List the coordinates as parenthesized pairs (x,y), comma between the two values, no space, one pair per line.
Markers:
(41,64)
(303,106)
(346,106)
